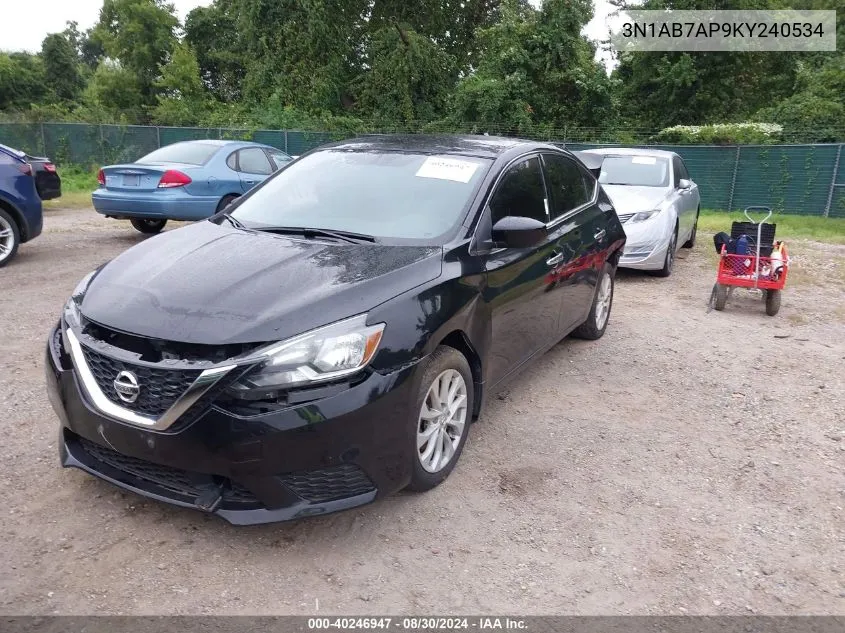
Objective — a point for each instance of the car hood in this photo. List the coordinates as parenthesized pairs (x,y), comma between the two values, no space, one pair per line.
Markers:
(629,199)
(214,284)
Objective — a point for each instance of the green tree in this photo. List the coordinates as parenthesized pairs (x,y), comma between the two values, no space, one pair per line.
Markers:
(61,67)
(21,81)
(661,89)
(182,96)
(536,72)
(407,77)
(141,34)
(113,95)
(305,51)
(212,32)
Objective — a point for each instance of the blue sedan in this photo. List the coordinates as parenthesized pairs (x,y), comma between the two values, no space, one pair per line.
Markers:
(191,180)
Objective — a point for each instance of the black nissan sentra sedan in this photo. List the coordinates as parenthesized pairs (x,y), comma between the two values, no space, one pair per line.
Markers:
(328,338)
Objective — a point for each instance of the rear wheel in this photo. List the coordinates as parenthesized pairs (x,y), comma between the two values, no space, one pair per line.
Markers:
(772,302)
(720,299)
(148,226)
(225,201)
(10,238)
(595,325)
(444,406)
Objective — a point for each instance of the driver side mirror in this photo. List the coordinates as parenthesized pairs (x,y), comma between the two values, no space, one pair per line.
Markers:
(518,232)
(683,183)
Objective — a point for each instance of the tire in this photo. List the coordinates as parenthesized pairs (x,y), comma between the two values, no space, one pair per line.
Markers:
(721,298)
(595,325)
(772,302)
(10,238)
(669,260)
(447,364)
(225,201)
(691,241)
(148,226)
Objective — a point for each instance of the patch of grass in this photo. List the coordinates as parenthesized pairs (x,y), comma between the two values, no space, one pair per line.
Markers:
(70,200)
(77,185)
(77,179)
(831,230)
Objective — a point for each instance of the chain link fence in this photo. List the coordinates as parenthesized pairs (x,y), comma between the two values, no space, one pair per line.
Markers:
(800,179)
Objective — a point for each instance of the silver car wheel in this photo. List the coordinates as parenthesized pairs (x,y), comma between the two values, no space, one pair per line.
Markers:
(670,252)
(603,299)
(442,421)
(7,239)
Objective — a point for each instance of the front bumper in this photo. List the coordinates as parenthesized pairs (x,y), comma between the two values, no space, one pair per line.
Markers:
(326,455)
(645,248)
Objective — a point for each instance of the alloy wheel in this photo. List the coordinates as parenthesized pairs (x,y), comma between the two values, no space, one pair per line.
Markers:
(442,421)
(670,253)
(603,299)
(7,238)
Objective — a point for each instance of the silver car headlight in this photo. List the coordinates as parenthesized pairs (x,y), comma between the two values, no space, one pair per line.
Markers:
(644,215)
(327,353)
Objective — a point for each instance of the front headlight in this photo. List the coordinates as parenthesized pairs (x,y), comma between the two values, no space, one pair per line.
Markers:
(72,305)
(324,354)
(644,215)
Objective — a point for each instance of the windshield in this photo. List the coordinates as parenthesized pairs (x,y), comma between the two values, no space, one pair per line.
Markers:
(383,194)
(189,153)
(638,171)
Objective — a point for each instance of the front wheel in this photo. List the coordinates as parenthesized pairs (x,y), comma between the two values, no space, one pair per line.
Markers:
(148,226)
(443,410)
(225,201)
(595,325)
(669,260)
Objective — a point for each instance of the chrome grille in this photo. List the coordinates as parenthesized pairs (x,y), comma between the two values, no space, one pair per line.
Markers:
(159,388)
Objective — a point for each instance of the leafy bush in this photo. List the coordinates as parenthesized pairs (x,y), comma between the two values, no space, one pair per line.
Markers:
(721,134)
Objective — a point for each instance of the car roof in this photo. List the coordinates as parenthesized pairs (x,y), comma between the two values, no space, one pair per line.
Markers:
(467,145)
(222,143)
(630,151)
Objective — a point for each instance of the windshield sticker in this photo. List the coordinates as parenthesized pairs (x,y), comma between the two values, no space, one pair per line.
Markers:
(644,160)
(447,169)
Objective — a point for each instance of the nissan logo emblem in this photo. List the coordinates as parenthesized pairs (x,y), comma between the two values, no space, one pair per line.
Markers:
(126,386)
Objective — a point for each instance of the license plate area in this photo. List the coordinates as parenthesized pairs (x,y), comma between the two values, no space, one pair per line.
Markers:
(131,181)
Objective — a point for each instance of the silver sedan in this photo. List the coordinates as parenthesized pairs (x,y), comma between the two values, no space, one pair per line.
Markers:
(656,201)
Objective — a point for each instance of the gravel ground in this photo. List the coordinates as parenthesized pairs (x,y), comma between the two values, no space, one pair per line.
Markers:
(686,463)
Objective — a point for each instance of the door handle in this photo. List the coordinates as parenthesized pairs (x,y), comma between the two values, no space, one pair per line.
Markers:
(600,235)
(249,182)
(555,259)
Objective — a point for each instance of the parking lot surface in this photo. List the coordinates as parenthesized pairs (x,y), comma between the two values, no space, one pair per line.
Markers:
(688,462)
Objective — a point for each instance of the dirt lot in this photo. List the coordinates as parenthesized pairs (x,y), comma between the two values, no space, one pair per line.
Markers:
(686,463)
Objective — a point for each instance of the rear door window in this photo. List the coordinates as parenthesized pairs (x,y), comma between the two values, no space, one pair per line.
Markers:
(567,186)
(253,160)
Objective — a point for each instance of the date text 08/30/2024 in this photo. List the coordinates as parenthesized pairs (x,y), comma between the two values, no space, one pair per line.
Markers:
(417,623)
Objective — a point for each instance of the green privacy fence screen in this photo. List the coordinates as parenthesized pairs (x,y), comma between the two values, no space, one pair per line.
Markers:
(801,179)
